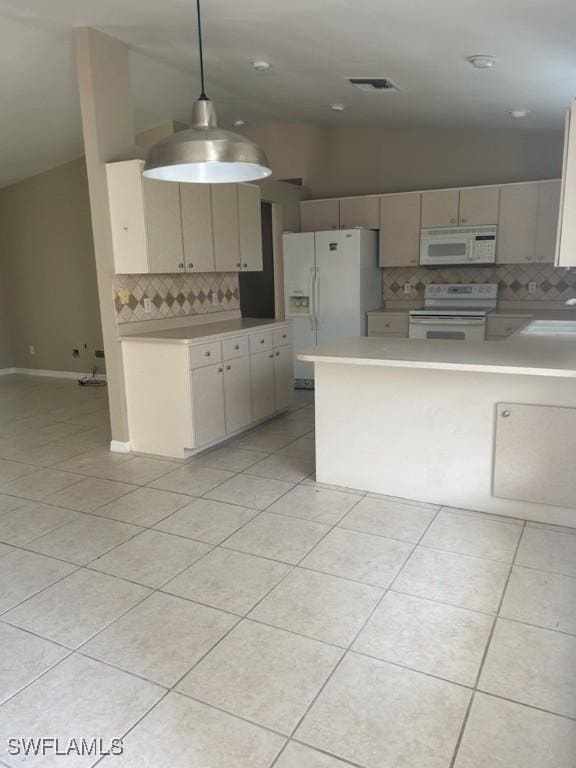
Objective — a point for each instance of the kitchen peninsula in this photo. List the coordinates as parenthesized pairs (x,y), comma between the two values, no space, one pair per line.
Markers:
(486,425)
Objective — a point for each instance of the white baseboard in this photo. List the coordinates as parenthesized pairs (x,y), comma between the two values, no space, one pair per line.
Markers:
(117,446)
(51,374)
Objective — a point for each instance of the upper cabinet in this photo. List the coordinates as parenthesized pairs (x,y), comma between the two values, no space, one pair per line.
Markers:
(465,207)
(196,207)
(516,239)
(478,206)
(566,249)
(547,221)
(164,227)
(319,215)
(440,208)
(145,218)
(250,227)
(359,212)
(400,230)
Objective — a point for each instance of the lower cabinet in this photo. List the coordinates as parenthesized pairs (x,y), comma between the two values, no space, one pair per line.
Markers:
(208,421)
(237,394)
(283,377)
(263,396)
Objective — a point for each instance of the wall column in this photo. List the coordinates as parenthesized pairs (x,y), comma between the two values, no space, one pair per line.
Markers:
(108,128)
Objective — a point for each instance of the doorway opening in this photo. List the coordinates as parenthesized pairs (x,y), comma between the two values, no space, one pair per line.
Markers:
(257,288)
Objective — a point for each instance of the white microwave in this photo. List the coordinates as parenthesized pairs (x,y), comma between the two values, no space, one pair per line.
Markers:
(454,246)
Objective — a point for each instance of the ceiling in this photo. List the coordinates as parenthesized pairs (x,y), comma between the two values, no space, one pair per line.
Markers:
(314,45)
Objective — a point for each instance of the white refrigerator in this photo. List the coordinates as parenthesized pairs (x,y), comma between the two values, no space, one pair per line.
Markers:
(331,280)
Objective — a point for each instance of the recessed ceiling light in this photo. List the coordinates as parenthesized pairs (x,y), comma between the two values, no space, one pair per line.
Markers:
(239,123)
(482,61)
(518,113)
(337,107)
(261,65)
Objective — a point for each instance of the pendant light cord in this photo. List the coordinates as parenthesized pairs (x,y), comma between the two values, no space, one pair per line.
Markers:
(203,96)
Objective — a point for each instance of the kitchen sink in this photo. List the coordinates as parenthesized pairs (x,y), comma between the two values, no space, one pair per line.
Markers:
(550,328)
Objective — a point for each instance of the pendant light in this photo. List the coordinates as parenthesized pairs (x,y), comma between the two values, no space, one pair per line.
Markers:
(205,153)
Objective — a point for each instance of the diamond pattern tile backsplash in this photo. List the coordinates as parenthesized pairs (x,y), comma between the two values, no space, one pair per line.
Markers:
(174,295)
(551,284)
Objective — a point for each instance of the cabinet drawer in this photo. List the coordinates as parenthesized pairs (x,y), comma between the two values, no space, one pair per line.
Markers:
(260,341)
(205,354)
(386,325)
(237,347)
(281,336)
(504,326)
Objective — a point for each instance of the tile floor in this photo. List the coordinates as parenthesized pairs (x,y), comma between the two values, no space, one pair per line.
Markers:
(229,612)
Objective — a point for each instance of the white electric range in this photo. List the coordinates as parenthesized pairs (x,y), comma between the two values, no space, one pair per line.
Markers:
(454,311)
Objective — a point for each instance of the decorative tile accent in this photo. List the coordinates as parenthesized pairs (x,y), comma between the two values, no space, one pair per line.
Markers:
(174,295)
(552,284)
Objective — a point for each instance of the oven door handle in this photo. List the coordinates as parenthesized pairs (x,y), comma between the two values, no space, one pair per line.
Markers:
(447,321)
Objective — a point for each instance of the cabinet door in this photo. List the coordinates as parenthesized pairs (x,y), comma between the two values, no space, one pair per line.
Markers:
(208,422)
(163,226)
(319,215)
(547,222)
(400,230)
(283,377)
(516,238)
(237,394)
(479,206)
(440,208)
(126,201)
(226,227)
(262,371)
(359,212)
(250,225)
(195,201)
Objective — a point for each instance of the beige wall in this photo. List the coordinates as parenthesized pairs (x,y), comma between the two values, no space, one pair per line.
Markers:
(355,161)
(47,262)
(6,358)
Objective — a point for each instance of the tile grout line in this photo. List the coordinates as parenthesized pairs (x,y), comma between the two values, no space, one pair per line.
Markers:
(485,654)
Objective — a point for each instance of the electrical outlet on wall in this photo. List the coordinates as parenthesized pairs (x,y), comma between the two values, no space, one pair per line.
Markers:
(215,301)
(407,287)
(32,349)
(147,305)
(124,295)
(532,287)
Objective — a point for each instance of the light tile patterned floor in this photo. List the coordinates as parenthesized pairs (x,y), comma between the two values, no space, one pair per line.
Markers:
(230,612)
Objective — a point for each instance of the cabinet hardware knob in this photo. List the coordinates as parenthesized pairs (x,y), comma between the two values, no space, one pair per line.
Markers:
(190,266)
(261,341)
(245,265)
(464,221)
(180,266)
(219,370)
(271,355)
(125,229)
(505,414)
(238,265)
(227,367)
(277,354)
(207,353)
(236,346)
(283,335)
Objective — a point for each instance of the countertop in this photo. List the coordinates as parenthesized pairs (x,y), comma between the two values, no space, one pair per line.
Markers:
(534,356)
(208,332)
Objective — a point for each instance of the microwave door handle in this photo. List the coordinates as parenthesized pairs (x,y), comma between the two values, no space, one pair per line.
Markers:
(317,296)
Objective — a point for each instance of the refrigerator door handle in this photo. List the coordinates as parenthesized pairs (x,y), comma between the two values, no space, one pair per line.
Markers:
(311,311)
(316,297)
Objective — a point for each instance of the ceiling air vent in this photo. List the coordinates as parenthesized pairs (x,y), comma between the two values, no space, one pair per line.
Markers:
(374,84)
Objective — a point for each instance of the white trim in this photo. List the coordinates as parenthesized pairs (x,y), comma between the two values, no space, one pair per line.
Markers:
(52,374)
(117,446)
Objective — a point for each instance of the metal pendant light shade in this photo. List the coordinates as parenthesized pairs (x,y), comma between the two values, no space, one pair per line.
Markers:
(205,153)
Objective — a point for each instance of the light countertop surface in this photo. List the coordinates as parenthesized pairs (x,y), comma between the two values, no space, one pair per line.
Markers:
(534,356)
(207,332)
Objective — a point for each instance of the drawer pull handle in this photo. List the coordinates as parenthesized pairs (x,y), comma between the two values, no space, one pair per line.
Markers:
(207,353)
